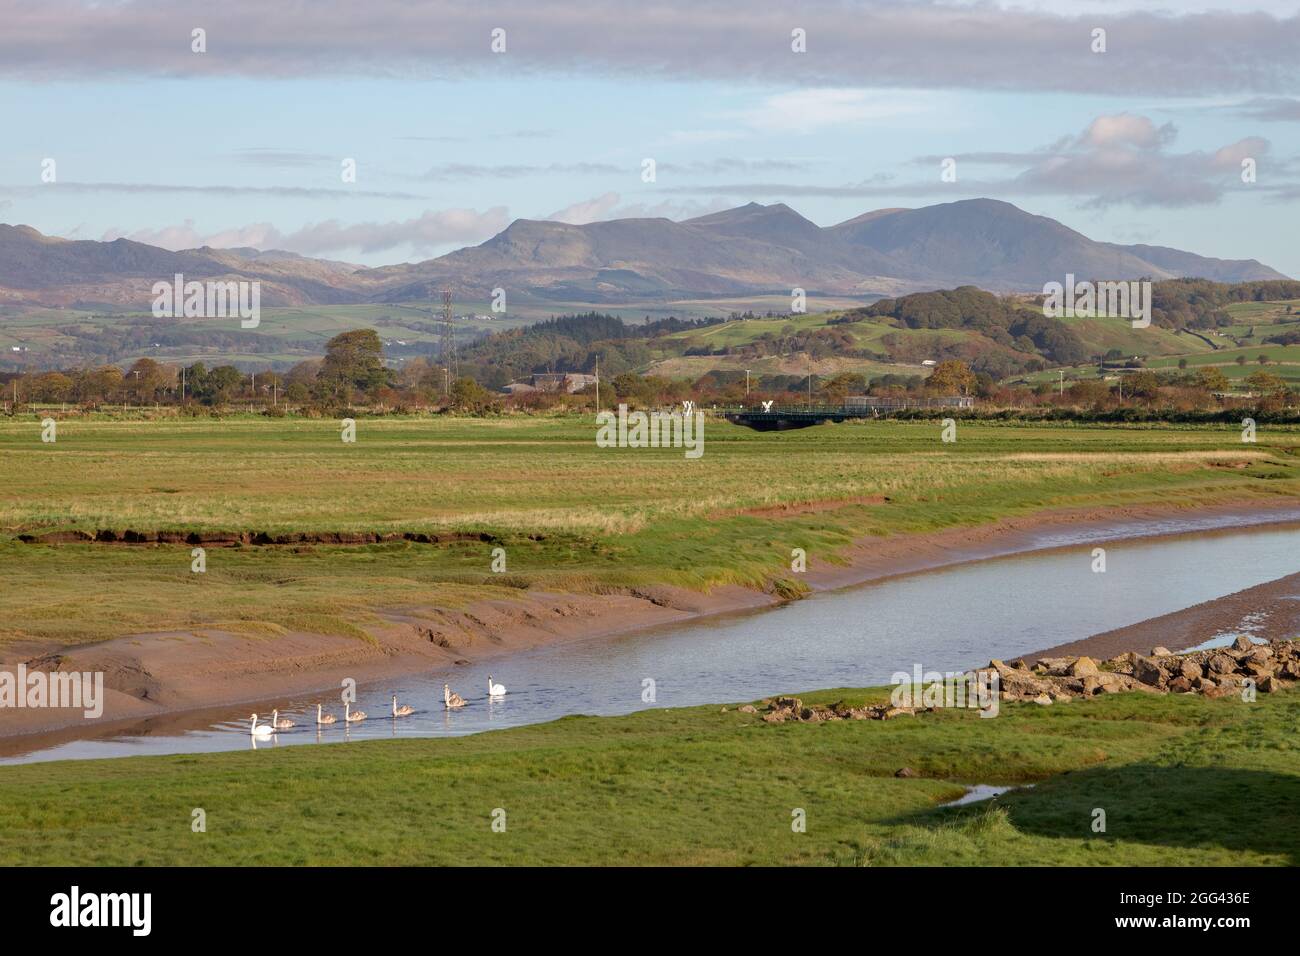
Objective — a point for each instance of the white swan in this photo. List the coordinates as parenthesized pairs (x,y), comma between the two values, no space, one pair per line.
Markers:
(451,700)
(351,716)
(495,690)
(256,730)
(324,718)
(403,711)
(277,723)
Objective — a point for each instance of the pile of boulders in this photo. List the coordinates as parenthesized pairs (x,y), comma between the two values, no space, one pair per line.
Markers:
(1214,673)
(777,710)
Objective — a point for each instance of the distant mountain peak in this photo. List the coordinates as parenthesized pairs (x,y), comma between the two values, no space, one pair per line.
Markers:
(748,249)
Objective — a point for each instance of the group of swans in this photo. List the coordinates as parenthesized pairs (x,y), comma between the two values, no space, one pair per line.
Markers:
(450,699)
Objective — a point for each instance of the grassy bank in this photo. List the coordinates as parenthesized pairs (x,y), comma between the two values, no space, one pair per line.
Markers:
(1183,780)
(571,516)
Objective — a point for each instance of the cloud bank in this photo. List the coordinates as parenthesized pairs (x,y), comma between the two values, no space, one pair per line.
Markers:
(930,45)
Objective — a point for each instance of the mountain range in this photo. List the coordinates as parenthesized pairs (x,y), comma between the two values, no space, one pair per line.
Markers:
(749,250)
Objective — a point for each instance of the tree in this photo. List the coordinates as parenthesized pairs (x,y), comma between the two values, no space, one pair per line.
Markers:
(1144,384)
(51,387)
(1266,383)
(101,385)
(951,377)
(145,378)
(353,360)
(839,386)
(468,395)
(1211,379)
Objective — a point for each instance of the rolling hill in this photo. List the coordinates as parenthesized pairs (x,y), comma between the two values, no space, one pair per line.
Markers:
(750,250)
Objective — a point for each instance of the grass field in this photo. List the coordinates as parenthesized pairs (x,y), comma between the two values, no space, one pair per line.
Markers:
(570,515)
(1182,781)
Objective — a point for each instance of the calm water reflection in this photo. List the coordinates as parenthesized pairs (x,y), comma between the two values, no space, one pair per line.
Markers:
(944,620)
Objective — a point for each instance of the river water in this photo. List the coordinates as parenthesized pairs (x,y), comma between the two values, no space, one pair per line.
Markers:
(948,619)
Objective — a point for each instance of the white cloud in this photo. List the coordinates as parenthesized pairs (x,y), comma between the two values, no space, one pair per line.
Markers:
(610,206)
(936,44)
(805,111)
(431,230)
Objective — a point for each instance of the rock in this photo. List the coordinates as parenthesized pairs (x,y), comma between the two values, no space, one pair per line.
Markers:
(777,716)
(1262,655)
(1221,664)
(1190,669)
(1023,684)
(1043,699)
(1149,672)
(892,712)
(1004,670)
(906,772)
(1180,685)
(1122,664)
(1083,667)
(723,711)
(748,709)
(1204,683)
(790,703)
(1161,652)
(1268,684)
(1242,643)
(1056,666)
(1259,668)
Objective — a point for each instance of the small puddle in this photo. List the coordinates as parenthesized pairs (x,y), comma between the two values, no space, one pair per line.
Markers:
(982,791)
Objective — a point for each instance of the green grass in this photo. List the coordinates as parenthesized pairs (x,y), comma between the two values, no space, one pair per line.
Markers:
(1183,781)
(571,516)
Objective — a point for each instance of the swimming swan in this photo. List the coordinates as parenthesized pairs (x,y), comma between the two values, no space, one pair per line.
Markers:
(451,700)
(257,730)
(495,690)
(352,716)
(403,711)
(277,723)
(324,718)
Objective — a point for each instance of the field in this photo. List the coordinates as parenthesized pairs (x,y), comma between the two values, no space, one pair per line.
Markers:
(572,517)
(1182,780)
(287,335)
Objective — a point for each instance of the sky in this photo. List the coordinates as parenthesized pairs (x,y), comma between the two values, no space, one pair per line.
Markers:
(246,141)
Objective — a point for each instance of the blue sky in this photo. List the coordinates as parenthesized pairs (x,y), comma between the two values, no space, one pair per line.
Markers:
(180,149)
